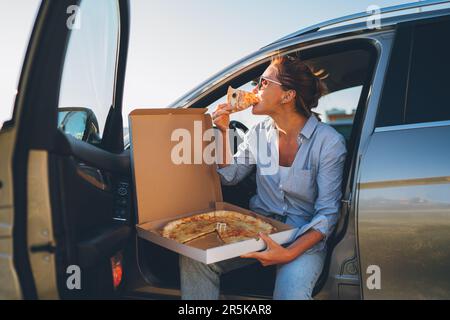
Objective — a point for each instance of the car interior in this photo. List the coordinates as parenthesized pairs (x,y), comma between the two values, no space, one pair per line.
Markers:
(348,65)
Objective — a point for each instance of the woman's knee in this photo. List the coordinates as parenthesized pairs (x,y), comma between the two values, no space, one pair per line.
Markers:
(297,279)
(190,266)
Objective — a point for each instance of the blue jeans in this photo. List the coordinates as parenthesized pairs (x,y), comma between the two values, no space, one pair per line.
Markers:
(294,281)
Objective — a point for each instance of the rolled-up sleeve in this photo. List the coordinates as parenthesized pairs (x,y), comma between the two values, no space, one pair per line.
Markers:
(242,164)
(329,184)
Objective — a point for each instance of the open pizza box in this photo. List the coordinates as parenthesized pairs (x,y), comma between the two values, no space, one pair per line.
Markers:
(166,190)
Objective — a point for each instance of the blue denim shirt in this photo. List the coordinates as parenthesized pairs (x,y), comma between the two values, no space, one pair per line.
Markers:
(310,196)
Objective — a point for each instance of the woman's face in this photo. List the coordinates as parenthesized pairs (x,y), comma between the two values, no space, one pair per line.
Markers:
(270,94)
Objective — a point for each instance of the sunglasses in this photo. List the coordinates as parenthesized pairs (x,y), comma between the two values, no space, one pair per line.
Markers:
(263,82)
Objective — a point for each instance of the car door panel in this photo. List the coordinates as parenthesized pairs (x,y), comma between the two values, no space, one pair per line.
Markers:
(403,214)
(8,276)
(30,129)
(61,209)
(85,186)
(103,244)
(40,234)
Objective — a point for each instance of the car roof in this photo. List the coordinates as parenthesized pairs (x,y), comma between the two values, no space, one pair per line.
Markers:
(348,22)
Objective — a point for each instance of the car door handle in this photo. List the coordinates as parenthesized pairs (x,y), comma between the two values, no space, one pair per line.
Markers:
(45,247)
(346,202)
(93,176)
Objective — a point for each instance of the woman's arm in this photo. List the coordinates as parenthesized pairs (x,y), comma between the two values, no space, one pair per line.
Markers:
(276,254)
(232,169)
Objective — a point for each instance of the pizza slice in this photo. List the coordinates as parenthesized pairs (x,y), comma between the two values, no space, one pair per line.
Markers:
(239,227)
(240,100)
(188,229)
(200,234)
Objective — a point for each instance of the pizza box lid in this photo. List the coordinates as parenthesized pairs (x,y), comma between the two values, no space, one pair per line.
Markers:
(165,188)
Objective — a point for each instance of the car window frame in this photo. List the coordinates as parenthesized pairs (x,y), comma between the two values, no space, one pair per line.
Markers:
(405,30)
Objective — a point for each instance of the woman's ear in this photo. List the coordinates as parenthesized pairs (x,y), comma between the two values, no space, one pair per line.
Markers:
(289,96)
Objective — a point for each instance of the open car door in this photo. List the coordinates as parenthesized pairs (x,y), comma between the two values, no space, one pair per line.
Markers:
(64,174)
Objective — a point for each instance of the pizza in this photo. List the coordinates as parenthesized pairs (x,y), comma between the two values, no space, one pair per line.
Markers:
(230,226)
(240,99)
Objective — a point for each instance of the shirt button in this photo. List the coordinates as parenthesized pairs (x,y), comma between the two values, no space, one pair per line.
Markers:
(281,186)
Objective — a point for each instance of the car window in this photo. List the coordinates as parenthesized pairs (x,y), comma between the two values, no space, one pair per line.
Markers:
(87,87)
(428,88)
(391,108)
(416,85)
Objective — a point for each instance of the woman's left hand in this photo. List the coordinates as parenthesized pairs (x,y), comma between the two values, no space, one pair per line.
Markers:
(274,254)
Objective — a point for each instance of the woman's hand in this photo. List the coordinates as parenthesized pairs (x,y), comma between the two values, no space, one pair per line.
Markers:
(221,116)
(274,254)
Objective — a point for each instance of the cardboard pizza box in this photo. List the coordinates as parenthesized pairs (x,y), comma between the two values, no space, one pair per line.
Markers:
(173,182)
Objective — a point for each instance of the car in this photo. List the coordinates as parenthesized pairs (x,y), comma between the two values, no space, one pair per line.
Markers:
(67,213)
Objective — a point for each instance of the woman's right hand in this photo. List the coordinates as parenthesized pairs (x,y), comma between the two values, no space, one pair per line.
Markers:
(221,116)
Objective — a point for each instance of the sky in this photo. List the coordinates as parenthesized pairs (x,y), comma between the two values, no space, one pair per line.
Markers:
(177,44)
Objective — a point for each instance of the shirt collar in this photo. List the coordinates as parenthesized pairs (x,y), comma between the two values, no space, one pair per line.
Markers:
(309,127)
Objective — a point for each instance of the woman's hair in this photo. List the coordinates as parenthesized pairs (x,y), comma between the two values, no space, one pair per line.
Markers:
(294,74)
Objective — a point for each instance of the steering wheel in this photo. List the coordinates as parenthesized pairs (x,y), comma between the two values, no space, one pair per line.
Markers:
(238,125)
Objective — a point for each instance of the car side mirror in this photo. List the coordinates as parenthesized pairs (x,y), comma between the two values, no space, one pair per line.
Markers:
(80,123)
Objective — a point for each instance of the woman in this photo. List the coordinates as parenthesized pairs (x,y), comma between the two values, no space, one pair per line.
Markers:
(299,185)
